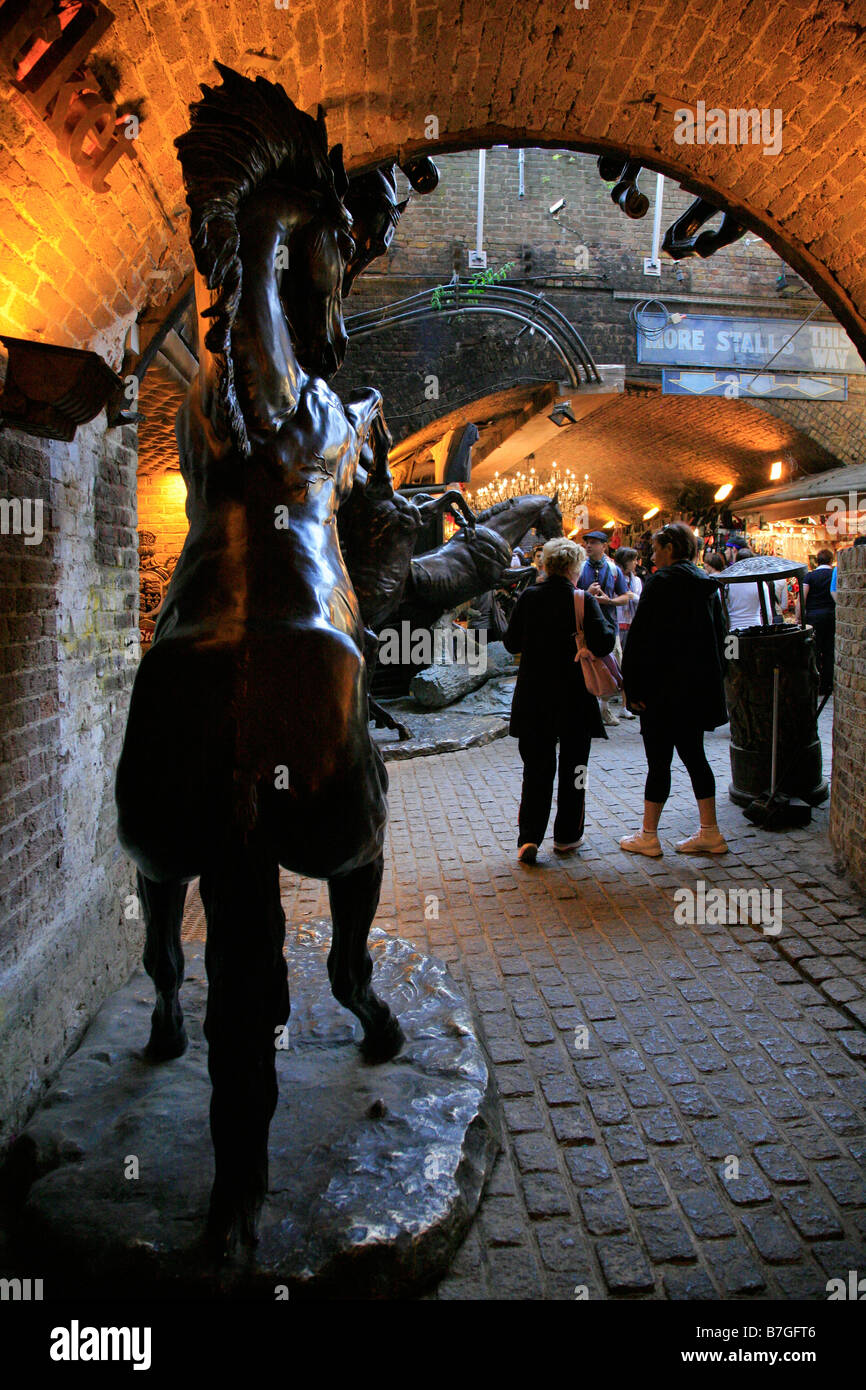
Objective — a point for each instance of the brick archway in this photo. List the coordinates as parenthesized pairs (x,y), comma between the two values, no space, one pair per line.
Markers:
(549,75)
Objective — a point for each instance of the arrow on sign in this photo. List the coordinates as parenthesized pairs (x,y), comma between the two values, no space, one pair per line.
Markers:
(816,386)
(697,382)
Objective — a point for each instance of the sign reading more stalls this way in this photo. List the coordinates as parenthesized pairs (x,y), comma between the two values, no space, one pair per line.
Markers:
(717,341)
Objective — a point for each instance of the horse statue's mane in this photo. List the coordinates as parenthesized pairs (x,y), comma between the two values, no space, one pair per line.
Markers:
(512,502)
(242,133)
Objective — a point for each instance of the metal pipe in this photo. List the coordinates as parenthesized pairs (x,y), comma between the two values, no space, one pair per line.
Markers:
(508,296)
(774,756)
(506,313)
(479,233)
(570,342)
(528,308)
(521,184)
(763,596)
(657,217)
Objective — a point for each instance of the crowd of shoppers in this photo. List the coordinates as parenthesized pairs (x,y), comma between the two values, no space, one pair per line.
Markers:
(662,616)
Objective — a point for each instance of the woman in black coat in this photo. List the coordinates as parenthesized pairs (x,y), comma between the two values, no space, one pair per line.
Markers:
(551,702)
(673,671)
(820,606)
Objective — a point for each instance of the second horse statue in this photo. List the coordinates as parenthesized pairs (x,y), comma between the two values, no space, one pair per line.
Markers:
(248,745)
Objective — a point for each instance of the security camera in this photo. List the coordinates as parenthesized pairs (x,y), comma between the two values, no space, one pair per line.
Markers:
(557,207)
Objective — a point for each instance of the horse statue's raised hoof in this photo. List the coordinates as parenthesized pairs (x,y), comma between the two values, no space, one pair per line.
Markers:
(381,1044)
(168,1037)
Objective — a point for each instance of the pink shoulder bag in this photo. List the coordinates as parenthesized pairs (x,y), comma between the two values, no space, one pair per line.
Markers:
(601,674)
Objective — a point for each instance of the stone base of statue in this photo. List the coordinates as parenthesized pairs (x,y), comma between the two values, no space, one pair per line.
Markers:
(442,684)
(375,1171)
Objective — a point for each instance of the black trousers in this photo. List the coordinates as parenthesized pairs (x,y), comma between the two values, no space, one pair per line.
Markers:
(538,752)
(659,741)
(824,623)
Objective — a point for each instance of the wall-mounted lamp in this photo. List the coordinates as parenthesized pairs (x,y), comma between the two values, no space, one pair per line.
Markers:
(653,511)
(775,472)
(556,207)
(724,492)
(49,390)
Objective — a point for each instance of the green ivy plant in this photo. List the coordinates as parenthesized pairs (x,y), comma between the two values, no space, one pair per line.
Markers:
(477,284)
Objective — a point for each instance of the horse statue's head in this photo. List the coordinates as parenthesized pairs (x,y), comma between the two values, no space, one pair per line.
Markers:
(372,202)
(265,199)
(549,523)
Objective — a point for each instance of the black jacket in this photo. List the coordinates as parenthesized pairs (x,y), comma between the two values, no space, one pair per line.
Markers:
(674,657)
(550,691)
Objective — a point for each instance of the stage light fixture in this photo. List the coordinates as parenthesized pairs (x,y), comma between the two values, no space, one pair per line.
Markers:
(562,414)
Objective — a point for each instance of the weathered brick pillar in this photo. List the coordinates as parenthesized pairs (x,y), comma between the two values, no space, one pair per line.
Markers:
(69,925)
(848,797)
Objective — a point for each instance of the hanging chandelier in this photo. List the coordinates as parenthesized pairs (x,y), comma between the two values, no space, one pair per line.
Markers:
(573,491)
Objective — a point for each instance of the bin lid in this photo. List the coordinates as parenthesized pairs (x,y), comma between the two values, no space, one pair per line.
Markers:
(761,567)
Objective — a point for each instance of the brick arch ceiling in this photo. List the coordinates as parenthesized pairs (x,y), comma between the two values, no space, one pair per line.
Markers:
(643,451)
(546,73)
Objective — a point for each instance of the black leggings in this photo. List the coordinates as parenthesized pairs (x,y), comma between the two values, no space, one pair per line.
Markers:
(659,741)
(824,623)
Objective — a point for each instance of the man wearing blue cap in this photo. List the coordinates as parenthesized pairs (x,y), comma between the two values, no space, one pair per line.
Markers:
(606,582)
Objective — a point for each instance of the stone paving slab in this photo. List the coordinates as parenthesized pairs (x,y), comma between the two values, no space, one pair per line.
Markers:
(685,1104)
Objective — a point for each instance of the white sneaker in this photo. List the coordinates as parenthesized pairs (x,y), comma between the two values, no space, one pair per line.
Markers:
(644,842)
(566,849)
(608,717)
(527,854)
(708,840)
(627,714)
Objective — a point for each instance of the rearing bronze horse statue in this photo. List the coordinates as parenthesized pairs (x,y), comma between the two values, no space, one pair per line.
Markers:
(248,745)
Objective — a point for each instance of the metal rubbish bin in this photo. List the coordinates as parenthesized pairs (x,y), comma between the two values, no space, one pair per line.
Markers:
(752,661)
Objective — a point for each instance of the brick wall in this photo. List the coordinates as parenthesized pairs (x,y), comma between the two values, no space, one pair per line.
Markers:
(68,617)
(437,224)
(848,804)
(161,512)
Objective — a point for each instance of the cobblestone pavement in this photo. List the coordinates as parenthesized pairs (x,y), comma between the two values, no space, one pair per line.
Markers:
(709,1139)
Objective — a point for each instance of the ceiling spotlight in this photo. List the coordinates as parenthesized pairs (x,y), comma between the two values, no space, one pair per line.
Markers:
(609,525)
(653,511)
(562,414)
(556,207)
(724,492)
